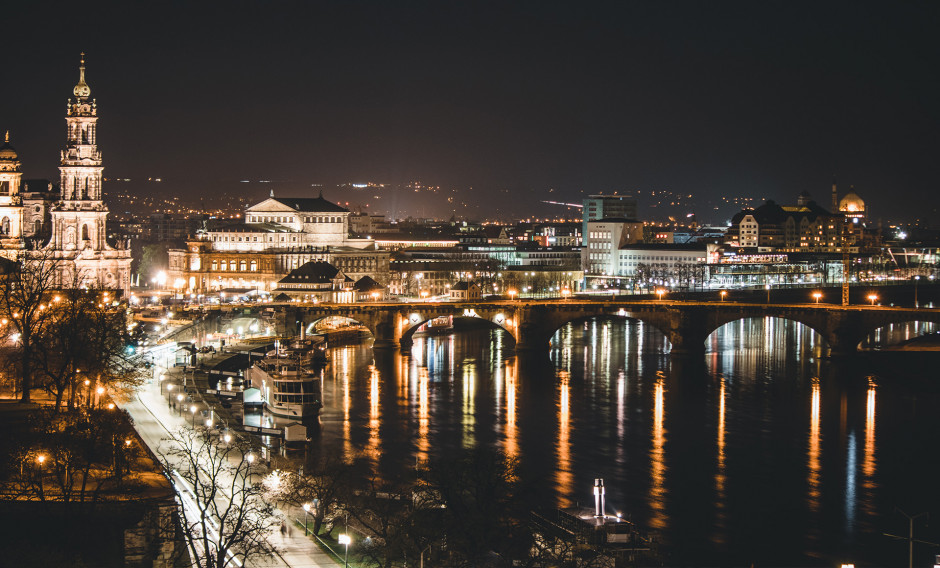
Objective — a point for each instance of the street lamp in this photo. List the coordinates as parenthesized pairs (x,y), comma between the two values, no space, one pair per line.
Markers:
(179,399)
(40,458)
(723,294)
(424,294)
(193,410)
(817,296)
(345,540)
(660,292)
(306,510)
(512,295)
(916,280)
(767,287)
(872,298)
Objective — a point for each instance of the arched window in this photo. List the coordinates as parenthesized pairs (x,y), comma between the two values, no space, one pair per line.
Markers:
(5,226)
(243,266)
(224,265)
(254,265)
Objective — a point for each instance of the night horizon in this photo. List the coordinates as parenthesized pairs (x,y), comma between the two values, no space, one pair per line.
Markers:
(553,102)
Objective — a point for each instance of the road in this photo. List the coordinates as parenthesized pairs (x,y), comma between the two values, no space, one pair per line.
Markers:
(155,422)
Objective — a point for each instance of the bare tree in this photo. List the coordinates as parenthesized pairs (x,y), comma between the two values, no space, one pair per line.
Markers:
(225,519)
(318,490)
(73,457)
(24,304)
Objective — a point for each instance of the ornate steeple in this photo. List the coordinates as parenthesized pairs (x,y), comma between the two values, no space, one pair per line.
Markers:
(82,90)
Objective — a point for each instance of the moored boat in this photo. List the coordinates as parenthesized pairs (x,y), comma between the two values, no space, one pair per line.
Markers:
(289,378)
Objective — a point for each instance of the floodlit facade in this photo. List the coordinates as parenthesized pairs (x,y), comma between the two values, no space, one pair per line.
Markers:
(277,236)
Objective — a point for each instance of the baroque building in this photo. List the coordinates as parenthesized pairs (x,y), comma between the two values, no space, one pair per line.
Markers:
(277,236)
(79,217)
(11,206)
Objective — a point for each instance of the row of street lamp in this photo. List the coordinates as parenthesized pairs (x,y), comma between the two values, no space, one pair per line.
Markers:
(660,292)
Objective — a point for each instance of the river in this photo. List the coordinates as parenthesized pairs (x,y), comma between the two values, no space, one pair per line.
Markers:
(761,453)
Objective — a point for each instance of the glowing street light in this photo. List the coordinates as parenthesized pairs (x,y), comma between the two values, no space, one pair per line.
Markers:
(512,294)
(179,400)
(306,510)
(193,410)
(872,298)
(424,294)
(345,540)
(723,294)
(660,292)
(817,296)
(40,459)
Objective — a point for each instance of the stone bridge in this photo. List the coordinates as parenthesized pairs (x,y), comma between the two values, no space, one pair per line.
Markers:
(533,323)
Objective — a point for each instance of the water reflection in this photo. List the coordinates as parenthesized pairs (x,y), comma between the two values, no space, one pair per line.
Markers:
(563,474)
(719,458)
(510,443)
(812,451)
(373,447)
(720,477)
(657,454)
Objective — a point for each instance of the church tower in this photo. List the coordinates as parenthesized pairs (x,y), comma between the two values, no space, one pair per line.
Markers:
(79,230)
(11,207)
(78,222)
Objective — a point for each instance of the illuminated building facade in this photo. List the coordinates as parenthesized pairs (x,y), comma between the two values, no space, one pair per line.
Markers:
(79,218)
(277,236)
(11,207)
(805,227)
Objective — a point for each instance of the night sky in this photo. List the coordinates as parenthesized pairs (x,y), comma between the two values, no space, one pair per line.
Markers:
(758,99)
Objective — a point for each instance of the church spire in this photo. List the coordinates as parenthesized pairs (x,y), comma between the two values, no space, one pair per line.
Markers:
(82,90)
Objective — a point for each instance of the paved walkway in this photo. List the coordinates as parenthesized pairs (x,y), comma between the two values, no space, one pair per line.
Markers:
(155,421)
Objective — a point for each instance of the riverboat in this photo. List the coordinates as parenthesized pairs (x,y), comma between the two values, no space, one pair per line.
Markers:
(288,377)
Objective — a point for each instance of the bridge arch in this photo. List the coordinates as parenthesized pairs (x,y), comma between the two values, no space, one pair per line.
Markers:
(415,321)
(316,325)
(769,325)
(622,316)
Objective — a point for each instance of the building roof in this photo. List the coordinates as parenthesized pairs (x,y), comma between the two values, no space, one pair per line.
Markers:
(463,285)
(366,284)
(770,212)
(314,272)
(311,204)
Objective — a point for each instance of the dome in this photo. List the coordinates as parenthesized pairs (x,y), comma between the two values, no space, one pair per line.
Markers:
(851,203)
(7,153)
(82,90)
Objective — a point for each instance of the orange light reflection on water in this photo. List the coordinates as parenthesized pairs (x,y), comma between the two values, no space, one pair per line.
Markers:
(813,451)
(564,477)
(657,492)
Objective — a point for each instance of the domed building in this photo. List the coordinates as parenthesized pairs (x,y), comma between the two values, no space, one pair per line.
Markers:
(852,206)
